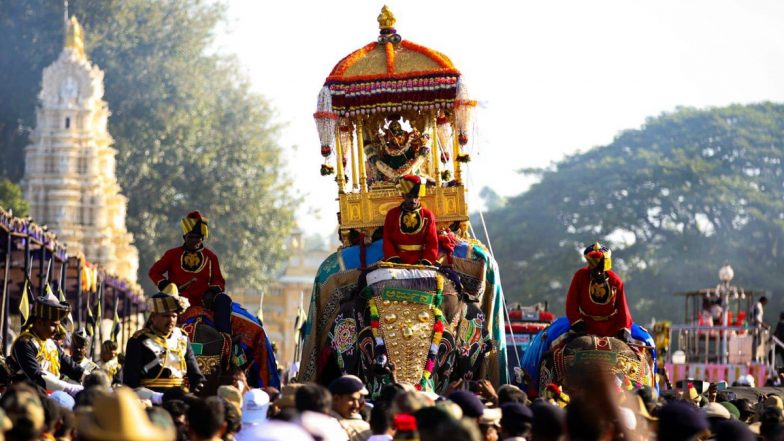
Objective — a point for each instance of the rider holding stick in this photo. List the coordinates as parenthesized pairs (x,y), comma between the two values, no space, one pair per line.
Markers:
(196,271)
(596,301)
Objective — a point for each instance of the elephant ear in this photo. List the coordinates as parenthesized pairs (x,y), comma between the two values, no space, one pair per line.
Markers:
(445,370)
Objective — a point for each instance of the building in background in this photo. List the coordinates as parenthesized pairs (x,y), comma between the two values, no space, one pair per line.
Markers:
(69,178)
(282,299)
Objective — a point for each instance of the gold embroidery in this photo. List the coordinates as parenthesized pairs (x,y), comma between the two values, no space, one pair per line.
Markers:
(193,261)
(410,220)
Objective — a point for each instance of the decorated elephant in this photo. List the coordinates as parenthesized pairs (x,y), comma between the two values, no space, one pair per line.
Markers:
(584,355)
(341,338)
(215,352)
(212,350)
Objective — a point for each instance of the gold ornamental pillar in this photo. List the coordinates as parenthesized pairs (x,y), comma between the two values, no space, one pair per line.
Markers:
(354,172)
(341,177)
(456,152)
(436,153)
(361,156)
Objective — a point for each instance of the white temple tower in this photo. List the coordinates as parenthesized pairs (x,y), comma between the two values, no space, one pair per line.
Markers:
(69,178)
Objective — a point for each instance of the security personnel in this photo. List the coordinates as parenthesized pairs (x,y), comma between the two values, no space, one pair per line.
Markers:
(36,357)
(196,271)
(410,234)
(159,356)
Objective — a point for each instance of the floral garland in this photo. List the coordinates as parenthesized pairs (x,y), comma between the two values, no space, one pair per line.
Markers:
(438,332)
(445,64)
(390,48)
(435,55)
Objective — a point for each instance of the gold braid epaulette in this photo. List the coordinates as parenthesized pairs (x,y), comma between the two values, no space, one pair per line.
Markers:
(44,354)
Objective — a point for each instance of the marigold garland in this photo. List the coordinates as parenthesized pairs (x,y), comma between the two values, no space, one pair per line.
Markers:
(390,48)
(437,56)
(327,170)
(352,58)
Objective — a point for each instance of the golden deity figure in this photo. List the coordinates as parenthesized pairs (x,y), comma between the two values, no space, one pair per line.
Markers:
(396,152)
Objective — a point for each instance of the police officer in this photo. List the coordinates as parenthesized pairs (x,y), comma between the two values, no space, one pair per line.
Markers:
(36,357)
(159,356)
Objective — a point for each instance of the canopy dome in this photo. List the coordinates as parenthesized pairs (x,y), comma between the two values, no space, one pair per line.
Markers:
(392,74)
(404,60)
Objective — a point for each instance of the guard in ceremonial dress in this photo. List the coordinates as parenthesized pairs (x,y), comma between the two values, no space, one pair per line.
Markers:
(36,357)
(109,362)
(80,348)
(596,301)
(410,234)
(196,271)
(159,356)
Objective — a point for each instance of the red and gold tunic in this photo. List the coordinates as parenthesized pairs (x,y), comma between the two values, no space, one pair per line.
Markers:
(180,266)
(410,235)
(602,306)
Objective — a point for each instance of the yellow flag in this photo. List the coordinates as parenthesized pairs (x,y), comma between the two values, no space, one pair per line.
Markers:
(115,324)
(24,304)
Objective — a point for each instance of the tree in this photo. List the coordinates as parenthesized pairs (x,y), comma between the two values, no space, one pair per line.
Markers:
(491,199)
(189,132)
(11,198)
(675,199)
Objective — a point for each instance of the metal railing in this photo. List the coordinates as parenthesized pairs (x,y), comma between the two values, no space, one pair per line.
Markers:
(709,344)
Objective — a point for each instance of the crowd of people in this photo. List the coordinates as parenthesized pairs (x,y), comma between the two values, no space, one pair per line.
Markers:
(158,392)
(344,411)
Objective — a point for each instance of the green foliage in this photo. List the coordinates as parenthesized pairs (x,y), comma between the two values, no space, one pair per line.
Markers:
(189,132)
(492,200)
(676,199)
(11,198)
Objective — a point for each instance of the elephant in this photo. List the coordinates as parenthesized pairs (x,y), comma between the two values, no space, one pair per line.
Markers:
(333,302)
(212,349)
(577,356)
(250,349)
(351,347)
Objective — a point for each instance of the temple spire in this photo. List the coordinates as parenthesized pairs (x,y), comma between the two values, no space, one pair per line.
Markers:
(74,37)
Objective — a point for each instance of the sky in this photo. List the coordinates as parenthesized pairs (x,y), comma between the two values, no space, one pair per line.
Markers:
(552,78)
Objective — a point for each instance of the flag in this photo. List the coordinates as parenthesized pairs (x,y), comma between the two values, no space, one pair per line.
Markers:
(115,324)
(69,321)
(99,312)
(90,322)
(99,306)
(24,303)
(48,290)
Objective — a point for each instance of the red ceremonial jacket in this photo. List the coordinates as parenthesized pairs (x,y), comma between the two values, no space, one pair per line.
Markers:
(604,318)
(410,235)
(182,266)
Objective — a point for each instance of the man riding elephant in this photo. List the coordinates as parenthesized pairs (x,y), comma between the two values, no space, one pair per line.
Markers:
(196,271)
(410,234)
(596,302)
